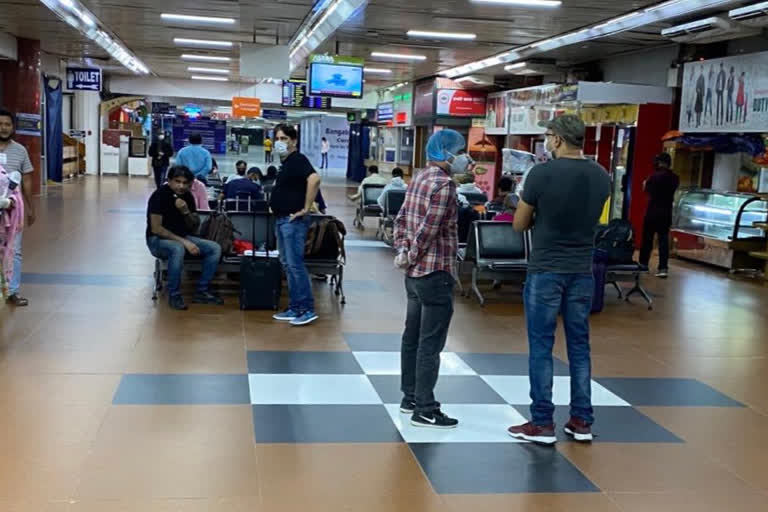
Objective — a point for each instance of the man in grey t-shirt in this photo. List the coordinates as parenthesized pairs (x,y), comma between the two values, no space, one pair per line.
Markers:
(566,196)
(14,157)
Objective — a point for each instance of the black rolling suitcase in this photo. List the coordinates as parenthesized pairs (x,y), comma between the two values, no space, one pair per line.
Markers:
(261,278)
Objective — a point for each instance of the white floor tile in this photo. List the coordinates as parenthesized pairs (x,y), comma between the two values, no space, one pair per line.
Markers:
(477,424)
(364,243)
(515,390)
(388,363)
(304,389)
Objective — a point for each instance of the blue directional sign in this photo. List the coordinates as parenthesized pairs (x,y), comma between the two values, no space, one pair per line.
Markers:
(84,79)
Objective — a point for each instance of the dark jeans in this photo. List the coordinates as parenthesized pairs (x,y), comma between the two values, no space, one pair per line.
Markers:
(546,295)
(430,308)
(324,161)
(291,237)
(160,173)
(720,113)
(267,156)
(651,228)
(174,253)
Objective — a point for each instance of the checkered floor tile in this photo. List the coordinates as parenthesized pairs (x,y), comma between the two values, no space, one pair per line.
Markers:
(354,397)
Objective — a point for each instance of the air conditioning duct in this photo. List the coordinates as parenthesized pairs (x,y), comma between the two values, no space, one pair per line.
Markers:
(707,30)
(752,15)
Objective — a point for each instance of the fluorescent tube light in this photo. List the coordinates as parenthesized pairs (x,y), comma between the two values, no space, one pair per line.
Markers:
(212,78)
(217,71)
(516,65)
(398,56)
(441,35)
(205,58)
(196,19)
(202,42)
(522,3)
(377,71)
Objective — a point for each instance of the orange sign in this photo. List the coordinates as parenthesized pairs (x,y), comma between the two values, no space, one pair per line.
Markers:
(246,107)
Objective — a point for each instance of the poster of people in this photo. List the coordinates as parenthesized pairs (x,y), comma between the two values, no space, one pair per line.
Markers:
(725,95)
(496,114)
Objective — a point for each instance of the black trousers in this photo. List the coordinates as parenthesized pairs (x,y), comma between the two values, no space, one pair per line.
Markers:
(652,227)
(430,309)
(160,173)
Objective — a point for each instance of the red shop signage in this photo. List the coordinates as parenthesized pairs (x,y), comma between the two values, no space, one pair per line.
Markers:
(457,102)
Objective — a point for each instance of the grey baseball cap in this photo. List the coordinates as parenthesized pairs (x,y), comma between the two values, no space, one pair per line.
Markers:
(569,127)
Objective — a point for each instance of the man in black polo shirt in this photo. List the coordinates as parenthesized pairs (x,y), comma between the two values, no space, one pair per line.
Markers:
(660,187)
(292,197)
(171,220)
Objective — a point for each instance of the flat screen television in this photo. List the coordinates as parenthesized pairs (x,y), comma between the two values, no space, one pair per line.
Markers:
(338,80)
(295,95)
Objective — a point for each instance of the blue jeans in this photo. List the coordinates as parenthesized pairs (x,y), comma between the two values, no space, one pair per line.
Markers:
(15,284)
(174,253)
(291,237)
(546,295)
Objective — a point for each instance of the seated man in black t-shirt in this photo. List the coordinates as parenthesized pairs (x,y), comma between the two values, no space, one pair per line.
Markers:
(171,220)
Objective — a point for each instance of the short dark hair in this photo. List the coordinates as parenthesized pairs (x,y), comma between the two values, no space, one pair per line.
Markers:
(271,171)
(7,113)
(373,169)
(663,159)
(288,130)
(237,164)
(506,184)
(397,172)
(181,171)
(255,170)
(195,138)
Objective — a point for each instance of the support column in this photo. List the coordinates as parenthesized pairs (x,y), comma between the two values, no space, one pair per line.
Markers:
(21,95)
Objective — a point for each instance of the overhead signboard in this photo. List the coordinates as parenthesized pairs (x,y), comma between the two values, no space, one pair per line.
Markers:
(295,95)
(246,107)
(726,95)
(385,112)
(84,79)
(461,103)
(275,115)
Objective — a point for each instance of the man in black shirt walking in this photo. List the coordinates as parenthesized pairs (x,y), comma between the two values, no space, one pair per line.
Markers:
(171,221)
(661,188)
(161,153)
(292,197)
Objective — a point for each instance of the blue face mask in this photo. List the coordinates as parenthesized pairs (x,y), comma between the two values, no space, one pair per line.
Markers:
(460,164)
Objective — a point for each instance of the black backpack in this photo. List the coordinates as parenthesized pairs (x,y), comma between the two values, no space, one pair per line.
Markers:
(617,242)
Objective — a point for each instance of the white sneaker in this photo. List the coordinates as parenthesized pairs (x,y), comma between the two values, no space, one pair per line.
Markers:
(663,274)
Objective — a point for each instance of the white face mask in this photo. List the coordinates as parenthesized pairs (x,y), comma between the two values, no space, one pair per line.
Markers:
(461,164)
(161,137)
(281,148)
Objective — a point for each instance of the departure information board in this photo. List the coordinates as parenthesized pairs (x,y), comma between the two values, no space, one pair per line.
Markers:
(295,95)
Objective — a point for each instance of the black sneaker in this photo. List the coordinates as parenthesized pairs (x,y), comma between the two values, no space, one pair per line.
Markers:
(436,419)
(177,302)
(407,406)
(207,298)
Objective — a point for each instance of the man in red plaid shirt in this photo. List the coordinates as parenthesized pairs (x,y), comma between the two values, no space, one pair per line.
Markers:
(426,238)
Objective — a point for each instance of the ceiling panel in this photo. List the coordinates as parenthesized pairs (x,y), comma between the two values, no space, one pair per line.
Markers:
(381,26)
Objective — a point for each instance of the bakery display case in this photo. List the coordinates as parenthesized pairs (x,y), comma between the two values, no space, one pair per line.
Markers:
(719,228)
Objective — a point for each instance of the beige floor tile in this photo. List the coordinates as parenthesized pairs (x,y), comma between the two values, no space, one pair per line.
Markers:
(378,477)
(593,502)
(696,501)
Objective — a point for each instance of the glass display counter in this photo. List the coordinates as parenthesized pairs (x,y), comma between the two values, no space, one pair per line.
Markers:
(719,228)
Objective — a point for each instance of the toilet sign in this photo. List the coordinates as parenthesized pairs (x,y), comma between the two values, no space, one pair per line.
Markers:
(84,79)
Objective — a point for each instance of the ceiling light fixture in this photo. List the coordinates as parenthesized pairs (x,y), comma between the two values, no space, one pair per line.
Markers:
(211,78)
(217,71)
(74,14)
(522,3)
(201,42)
(629,21)
(442,35)
(377,71)
(516,65)
(197,19)
(398,56)
(205,58)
